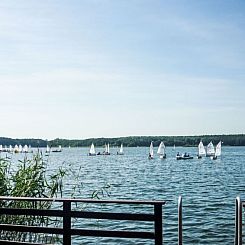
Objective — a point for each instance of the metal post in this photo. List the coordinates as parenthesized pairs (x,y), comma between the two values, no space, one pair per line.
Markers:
(66,222)
(180,220)
(236,222)
(239,221)
(158,223)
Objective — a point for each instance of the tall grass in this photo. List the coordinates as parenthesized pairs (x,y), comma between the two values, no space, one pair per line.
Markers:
(29,180)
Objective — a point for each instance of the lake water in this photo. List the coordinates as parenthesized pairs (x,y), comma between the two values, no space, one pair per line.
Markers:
(208,188)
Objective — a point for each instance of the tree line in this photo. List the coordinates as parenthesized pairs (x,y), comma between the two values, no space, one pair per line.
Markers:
(131,141)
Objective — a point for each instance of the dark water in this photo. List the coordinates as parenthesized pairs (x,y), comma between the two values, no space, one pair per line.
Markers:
(208,188)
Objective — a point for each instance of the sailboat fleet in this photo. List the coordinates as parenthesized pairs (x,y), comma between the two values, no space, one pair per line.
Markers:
(92,151)
(160,151)
(16,149)
(211,151)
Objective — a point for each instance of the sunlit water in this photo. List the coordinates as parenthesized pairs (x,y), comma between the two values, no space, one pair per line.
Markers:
(208,188)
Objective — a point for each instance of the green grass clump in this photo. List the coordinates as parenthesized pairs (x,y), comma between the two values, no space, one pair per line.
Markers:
(29,179)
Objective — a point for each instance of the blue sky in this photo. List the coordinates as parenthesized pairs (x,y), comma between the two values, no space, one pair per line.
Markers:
(81,69)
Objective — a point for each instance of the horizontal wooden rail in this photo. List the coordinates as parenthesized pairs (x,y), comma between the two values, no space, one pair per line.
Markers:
(119,201)
(66,214)
(79,214)
(4,242)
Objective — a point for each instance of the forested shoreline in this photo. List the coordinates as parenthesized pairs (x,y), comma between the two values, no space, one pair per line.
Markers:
(131,141)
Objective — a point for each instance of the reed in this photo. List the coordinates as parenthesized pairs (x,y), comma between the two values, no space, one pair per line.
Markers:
(29,180)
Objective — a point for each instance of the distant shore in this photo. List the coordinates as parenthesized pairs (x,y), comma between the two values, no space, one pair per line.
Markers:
(131,141)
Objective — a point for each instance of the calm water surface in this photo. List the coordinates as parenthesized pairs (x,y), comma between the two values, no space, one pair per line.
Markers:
(208,188)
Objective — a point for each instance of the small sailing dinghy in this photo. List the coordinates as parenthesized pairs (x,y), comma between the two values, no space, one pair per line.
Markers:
(25,149)
(20,149)
(121,150)
(201,150)
(16,149)
(161,151)
(92,150)
(210,150)
(48,149)
(107,149)
(151,153)
(30,149)
(217,151)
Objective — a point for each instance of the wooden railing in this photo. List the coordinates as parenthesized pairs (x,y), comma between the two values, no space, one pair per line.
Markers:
(66,213)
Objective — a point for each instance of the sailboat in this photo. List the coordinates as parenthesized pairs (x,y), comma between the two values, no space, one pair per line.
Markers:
(25,149)
(217,151)
(30,149)
(161,150)
(16,149)
(107,149)
(210,149)
(48,150)
(92,150)
(201,150)
(151,151)
(121,150)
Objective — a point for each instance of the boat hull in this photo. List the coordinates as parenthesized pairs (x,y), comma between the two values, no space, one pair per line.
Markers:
(183,157)
(163,156)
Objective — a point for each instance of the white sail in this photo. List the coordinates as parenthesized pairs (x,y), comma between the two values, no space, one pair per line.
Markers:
(1,147)
(92,150)
(10,148)
(20,148)
(121,149)
(25,148)
(108,148)
(218,149)
(161,149)
(151,150)
(16,149)
(48,148)
(210,149)
(60,147)
(201,149)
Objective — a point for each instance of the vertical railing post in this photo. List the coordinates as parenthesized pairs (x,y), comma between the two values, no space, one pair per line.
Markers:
(66,222)
(236,221)
(158,223)
(239,221)
(180,220)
